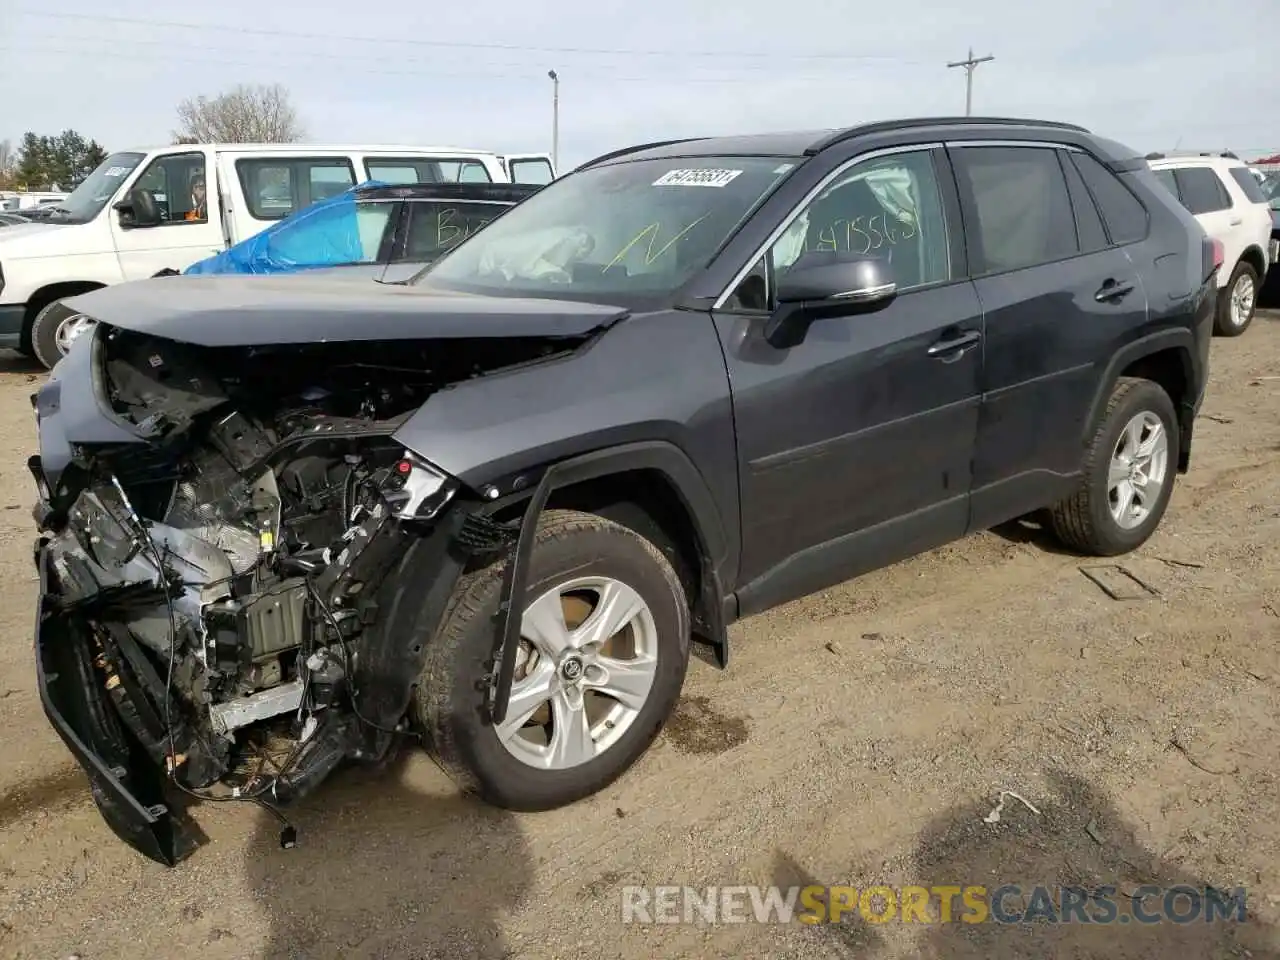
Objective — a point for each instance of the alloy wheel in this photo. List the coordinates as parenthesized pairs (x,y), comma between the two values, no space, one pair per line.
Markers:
(1139,465)
(587,661)
(1243,296)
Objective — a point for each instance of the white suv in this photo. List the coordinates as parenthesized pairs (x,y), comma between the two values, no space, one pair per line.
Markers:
(1224,196)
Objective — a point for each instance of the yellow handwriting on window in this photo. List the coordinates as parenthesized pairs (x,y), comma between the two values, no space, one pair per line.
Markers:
(651,234)
(447,231)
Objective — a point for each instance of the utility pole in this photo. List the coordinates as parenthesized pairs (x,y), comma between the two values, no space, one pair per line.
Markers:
(969,66)
(555,120)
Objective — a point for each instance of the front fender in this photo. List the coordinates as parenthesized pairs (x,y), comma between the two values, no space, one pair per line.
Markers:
(651,391)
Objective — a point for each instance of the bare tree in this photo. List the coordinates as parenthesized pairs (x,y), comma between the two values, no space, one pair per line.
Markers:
(247,114)
(7,163)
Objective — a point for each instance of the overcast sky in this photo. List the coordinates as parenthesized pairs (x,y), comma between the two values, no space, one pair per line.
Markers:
(1152,73)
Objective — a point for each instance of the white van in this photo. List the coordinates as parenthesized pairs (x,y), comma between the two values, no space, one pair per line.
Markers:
(193,201)
(15,202)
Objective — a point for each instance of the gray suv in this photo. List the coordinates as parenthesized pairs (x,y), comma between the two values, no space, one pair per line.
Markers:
(288,523)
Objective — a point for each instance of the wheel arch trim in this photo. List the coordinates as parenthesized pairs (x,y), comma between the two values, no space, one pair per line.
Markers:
(689,485)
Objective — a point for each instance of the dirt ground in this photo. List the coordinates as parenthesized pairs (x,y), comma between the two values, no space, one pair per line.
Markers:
(859,737)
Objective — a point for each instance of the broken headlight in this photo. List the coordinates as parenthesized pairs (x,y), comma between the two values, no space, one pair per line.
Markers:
(415,490)
(101,534)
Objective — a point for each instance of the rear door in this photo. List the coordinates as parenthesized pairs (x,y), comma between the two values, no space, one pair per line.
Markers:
(1056,293)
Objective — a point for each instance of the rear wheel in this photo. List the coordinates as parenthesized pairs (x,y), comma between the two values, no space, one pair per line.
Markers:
(603,654)
(1128,474)
(1237,301)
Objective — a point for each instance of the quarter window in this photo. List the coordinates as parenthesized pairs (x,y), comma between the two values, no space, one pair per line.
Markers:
(1088,222)
(1165,176)
(888,208)
(1021,207)
(1201,190)
(1124,215)
(1247,182)
(275,187)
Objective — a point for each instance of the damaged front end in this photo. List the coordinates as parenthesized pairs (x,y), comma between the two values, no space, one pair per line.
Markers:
(240,568)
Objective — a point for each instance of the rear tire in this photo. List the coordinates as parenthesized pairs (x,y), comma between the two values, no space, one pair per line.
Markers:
(1093,520)
(1237,302)
(570,548)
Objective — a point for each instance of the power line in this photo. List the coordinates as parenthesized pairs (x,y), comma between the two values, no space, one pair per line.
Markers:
(459,44)
(969,66)
(533,69)
(344,57)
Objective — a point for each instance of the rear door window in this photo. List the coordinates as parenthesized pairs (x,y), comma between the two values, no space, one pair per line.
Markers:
(336,236)
(1020,204)
(1201,190)
(275,187)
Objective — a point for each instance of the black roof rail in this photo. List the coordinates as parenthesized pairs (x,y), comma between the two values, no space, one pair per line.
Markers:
(613,155)
(885,126)
(1154,155)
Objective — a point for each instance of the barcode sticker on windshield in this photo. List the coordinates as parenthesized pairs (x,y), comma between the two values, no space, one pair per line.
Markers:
(696,178)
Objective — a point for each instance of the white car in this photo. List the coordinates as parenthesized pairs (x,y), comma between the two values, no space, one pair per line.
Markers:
(1225,197)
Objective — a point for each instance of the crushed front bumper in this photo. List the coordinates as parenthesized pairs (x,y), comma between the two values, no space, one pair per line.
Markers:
(130,790)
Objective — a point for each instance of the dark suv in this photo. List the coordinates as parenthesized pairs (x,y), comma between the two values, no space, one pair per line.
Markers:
(286,522)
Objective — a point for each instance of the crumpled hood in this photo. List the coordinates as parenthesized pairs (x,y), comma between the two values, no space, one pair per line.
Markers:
(231,311)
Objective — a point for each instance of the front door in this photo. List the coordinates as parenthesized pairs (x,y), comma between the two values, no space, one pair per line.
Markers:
(854,447)
(189,229)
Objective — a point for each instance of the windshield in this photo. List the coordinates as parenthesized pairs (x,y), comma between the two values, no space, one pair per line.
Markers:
(86,200)
(637,229)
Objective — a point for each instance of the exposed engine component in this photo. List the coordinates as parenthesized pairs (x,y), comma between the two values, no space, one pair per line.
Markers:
(228,572)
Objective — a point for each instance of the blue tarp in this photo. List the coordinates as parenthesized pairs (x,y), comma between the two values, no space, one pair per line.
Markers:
(324,234)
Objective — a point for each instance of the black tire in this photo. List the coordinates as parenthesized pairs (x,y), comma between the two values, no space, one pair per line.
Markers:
(1083,521)
(44,330)
(449,699)
(1223,325)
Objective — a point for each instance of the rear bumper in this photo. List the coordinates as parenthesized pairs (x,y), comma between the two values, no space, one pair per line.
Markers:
(1202,332)
(128,788)
(12,317)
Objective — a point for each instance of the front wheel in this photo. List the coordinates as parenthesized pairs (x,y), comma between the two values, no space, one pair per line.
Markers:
(603,653)
(54,330)
(1127,475)
(1237,302)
